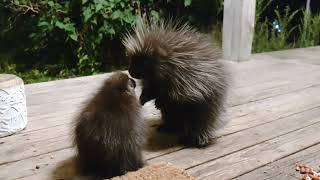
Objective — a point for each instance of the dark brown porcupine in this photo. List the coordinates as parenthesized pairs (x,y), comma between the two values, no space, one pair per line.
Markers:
(109,133)
(179,68)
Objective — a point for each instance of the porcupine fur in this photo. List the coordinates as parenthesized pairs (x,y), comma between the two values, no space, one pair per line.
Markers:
(109,132)
(181,70)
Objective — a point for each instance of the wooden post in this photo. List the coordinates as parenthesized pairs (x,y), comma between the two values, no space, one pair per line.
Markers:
(307,15)
(238,29)
(13,110)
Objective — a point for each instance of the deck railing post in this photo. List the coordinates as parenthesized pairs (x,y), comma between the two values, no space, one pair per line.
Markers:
(238,29)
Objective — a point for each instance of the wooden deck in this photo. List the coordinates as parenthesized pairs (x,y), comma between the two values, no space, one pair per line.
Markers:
(273,108)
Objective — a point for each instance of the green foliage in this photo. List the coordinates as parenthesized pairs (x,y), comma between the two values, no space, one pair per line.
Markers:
(261,6)
(310,31)
(29,77)
(78,29)
(52,39)
(200,13)
(187,2)
(97,21)
(266,38)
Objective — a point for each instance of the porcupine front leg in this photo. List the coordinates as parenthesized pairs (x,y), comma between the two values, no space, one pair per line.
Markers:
(202,119)
(170,118)
(201,122)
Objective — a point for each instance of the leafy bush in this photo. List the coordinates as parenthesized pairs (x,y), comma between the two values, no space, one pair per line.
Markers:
(52,39)
(81,27)
(81,36)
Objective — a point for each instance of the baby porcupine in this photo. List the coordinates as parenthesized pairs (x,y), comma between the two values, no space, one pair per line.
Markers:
(109,132)
(179,68)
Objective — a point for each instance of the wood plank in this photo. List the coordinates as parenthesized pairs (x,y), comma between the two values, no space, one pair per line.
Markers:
(228,144)
(237,97)
(285,167)
(303,56)
(62,89)
(242,74)
(264,111)
(57,105)
(249,159)
(79,81)
(270,88)
(260,61)
(24,146)
(62,120)
(27,167)
(55,122)
(187,158)
(274,89)
(243,117)
(48,162)
(66,114)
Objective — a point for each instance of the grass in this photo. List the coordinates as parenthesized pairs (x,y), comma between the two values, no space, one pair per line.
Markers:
(266,38)
(310,34)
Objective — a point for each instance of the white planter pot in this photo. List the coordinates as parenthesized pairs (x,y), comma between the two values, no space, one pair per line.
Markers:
(13,109)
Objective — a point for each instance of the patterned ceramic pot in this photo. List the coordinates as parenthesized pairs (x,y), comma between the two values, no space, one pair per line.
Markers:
(13,110)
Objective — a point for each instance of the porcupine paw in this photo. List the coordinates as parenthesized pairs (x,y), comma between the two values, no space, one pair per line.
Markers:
(199,141)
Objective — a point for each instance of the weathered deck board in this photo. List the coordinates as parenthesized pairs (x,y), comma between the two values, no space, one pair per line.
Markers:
(248,159)
(241,140)
(272,98)
(224,146)
(243,118)
(238,96)
(285,168)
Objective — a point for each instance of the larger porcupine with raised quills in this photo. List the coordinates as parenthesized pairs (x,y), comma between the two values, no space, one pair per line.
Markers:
(179,68)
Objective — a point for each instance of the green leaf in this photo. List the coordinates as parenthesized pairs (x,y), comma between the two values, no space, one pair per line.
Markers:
(32,35)
(99,4)
(69,27)
(67,19)
(87,14)
(116,14)
(43,23)
(60,25)
(94,21)
(16,2)
(99,7)
(84,1)
(51,3)
(74,37)
(187,3)
(111,31)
